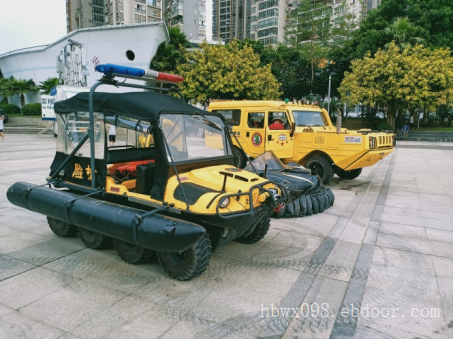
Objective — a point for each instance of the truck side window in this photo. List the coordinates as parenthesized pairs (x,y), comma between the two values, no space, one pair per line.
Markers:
(232,116)
(256,120)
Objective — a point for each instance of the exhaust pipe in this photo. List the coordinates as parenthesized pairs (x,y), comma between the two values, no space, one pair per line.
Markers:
(154,231)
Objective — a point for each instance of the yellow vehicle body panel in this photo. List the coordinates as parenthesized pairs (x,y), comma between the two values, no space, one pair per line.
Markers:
(212,177)
(348,149)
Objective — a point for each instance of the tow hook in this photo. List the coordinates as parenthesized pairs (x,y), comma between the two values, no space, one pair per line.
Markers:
(279,207)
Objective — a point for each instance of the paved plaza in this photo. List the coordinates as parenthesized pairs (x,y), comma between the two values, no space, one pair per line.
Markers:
(378,264)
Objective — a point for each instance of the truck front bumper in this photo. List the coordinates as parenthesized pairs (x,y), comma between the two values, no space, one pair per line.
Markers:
(369,158)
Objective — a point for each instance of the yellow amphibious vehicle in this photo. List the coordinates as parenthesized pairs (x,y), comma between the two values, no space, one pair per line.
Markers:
(159,191)
(303,134)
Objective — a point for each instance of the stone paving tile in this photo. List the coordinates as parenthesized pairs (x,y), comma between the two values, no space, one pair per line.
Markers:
(403,230)
(446,294)
(327,294)
(440,235)
(443,266)
(411,261)
(10,267)
(403,312)
(30,286)
(341,261)
(437,248)
(80,300)
(18,325)
(5,310)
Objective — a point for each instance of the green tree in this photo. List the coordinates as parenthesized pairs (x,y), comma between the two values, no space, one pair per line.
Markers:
(5,89)
(47,85)
(400,80)
(308,29)
(404,33)
(22,87)
(226,72)
(168,56)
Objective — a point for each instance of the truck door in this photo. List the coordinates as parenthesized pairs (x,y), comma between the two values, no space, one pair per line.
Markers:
(278,130)
(254,133)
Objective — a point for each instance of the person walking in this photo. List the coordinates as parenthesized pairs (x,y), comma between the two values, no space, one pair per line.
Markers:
(112,135)
(405,131)
(1,126)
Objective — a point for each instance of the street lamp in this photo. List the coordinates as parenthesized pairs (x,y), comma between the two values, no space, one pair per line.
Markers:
(328,95)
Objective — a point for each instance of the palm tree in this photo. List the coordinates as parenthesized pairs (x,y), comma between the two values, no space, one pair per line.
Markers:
(404,33)
(21,87)
(5,89)
(47,85)
(169,55)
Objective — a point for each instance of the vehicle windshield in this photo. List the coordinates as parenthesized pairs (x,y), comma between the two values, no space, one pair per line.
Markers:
(273,163)
(194,136)
(308,118)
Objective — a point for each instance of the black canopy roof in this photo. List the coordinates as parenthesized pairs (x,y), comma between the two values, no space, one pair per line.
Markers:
(138,105)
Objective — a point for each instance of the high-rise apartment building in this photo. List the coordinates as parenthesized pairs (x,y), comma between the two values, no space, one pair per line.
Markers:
(266,20)
(188,15)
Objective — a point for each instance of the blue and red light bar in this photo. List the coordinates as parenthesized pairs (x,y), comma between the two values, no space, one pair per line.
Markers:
(135,72)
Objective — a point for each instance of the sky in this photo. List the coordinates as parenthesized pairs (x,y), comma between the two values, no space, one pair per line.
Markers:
(28,23)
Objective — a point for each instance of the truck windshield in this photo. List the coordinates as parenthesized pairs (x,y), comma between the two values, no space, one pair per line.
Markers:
(194,136)
(308,118)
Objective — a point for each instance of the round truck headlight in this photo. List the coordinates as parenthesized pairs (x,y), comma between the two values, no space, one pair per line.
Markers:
(225,202)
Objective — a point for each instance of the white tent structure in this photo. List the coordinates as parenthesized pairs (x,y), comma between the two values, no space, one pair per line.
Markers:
(129,45)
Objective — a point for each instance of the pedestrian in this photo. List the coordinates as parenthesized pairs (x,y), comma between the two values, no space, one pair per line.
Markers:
(1,126)
(405,131)
(112,135)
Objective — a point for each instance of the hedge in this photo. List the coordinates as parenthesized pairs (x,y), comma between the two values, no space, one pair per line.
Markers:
(31,109)
(10,108)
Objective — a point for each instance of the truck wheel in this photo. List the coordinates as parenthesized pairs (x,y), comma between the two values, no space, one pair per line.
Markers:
(239,157)
(321,166)
(133,254)
(188,264)
(258,233)
(94,240)
(61,228)
(348,175)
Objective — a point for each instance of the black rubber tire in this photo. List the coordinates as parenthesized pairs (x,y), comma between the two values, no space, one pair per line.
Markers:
(258,233)
(303,206)
(309,206)
(296,209)
(188,264)
(289,212)
(326,201)
(321,202)
(94,240)
(348,175)
(315,204)
(133,254)
(239,157)
(321,166)
(61,228)
(331,196)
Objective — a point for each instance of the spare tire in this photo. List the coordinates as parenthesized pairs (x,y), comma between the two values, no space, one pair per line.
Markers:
(303,206)
(331,196)
(315,204)
(309,205)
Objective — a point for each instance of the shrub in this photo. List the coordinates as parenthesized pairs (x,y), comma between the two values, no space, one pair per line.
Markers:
(31,109)
(384,126)
(10,108)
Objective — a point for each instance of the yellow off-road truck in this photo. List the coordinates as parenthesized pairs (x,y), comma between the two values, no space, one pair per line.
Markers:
(303,134)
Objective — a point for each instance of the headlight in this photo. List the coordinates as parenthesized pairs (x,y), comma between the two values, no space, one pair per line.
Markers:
(225,202)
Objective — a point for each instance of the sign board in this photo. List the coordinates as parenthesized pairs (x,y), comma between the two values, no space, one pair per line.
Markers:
(352,140)
(63,92)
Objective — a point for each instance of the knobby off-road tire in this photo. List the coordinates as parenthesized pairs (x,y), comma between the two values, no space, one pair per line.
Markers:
(303,206)
(188,264)
(348,175)
(258,233)
(61,228)
(321,202)
(315,204)
(239,157)
(133,254)
(94,240)
(321,166)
